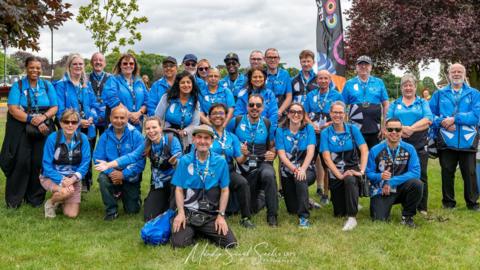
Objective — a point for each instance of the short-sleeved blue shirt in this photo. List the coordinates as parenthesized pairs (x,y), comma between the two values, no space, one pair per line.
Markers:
(286,140)
(409,115)
(222,95)
(43,95)
(372,91)
(280,83)
(227,145)
(180,115)
(334,142)
(234,86)
(318,102)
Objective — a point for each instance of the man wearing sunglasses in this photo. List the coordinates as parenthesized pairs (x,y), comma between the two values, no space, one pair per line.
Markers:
(190,64)
(162,85)
(235,81)
(393,170)
(256,134)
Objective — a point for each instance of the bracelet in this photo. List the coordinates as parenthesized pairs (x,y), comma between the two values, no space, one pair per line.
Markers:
(46,117)
(29,118)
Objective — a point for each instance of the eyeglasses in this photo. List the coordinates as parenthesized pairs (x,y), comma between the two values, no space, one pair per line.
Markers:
(256,59)
(394,129)
(252,104)
(132,64)
(190,64)
(77,64)
(231,63)
(337,113)
(220,113)
(67,122)
(272,57)
(203,68)
(295,112)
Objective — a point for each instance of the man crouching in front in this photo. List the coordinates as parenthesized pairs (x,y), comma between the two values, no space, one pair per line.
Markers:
(201,179)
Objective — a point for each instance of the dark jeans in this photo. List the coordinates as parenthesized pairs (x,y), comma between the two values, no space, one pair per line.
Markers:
(345,196)
(296,193)
(408,194)
(130,195)
(448,162)
(23,183)
(185,237)
(371,139)
(158,201)
(239,185)
(423,157)
(263,178)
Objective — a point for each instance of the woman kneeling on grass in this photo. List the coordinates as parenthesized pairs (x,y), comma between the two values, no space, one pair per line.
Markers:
(66,158)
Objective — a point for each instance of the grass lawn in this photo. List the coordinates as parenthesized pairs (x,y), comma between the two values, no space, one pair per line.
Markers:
(451,240)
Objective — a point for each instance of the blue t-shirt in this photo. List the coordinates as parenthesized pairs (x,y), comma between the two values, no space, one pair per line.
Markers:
(222,95)
(180,115)
(280,83)
(287,141)
(227,145)
(409,115)
(255,135)
(372,91)
(43,95)
(270,106)
(320,102)
(336,142)
(159,177)
(234,86)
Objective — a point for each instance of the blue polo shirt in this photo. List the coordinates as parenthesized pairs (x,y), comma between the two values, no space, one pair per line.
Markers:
(222,95)
(179,115)
(336,142)
(409,115)
(280,83)
(248,132)
(320,102)
(43,95)
(286,140)
(270,106)
(234,86)
(227,145)
(372,91)
(158,89)
(187,173)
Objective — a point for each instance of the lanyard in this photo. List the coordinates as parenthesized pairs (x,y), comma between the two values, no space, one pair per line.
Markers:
(132,93)
(274,80)
(202,173)
(98,81)
(294,149)
(364,88)
(222,141)
(70,149)
(183,110)
(392,158)
(254,134)
(322,104)
(35,93)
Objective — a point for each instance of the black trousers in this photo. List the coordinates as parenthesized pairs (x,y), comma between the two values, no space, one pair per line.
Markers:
(23,183)
(296,193)
(448,162)
(371,139)
(87,180)
(344,195)
(158,201)
(240,186)
(423,156)
(408,194)
(130,195)
(185,237)
(263,178)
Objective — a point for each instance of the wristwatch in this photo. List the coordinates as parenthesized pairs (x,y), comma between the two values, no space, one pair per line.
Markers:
(362,172)
(221,214)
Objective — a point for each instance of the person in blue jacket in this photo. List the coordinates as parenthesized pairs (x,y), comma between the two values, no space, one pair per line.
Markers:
(256,85)
(31,101)
(393,170)
(216,94)
(180,107)
(278,80)
(120,142)
(345,154)
(162,85)
(66,159)
(456,110)
(98,77)
(257,134)
(201,180)
(295,144)
(74,91)
(305,81)
(416,117)
(234,80)
(127,88)
(368,100)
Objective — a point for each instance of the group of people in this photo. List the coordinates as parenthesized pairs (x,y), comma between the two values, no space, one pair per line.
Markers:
(212,141)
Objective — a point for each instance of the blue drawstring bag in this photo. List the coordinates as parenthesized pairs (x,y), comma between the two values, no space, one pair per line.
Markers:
(157,231)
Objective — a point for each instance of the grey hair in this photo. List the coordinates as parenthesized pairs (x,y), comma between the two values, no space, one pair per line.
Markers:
(338,103)
(408,78)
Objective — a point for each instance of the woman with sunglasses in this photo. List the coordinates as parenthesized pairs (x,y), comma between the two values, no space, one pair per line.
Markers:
(31,101)
(256,79)
(215,94)
(126,87)
(227,144)
(416,117)
(340,145)
(75,92)
(295,143)
(180,108)
(202,69)
(66,159)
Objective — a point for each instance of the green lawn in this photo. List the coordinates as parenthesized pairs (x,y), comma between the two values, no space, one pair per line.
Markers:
(29,241)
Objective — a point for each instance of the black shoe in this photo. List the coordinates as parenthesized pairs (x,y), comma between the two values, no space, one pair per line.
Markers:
(272,221)
(408,221)
(247,223)
(448,207)
(319,191)
(111,217)
(281,194)
(475,208)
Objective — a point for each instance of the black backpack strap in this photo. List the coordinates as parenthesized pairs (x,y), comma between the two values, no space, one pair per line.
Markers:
(57,139)
(168,146)
(267,125)
(238,118)
(29,100)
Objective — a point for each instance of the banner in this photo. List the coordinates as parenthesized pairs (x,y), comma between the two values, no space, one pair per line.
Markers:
(330,50)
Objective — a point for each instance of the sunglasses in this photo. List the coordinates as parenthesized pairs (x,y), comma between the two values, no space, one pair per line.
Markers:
(132,64)
(295,112)
(189,64)
(231,63)
(394,129)
(67,122)
(203,68)
(252,104)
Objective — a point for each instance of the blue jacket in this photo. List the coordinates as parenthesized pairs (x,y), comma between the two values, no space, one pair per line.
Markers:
(270,106)
(158,89)
(57,172)
(97,89)
(125,151)
(466,112)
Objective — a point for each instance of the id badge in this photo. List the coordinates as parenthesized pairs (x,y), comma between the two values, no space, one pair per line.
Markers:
(341,166)
(365,104)
(252,162)
(322,121)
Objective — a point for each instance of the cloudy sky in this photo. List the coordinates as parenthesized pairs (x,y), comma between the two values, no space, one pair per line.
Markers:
(208,28)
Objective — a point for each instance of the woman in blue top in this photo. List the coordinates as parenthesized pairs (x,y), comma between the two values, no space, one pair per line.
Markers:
(180,108)
(66,160)
(295,143)
(75,92)
(339,145)
(31,101)
(227,144)
(416,117)
(126,87)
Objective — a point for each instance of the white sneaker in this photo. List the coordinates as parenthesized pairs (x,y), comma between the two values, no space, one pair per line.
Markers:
(350,224)
(359,207)
(50,209)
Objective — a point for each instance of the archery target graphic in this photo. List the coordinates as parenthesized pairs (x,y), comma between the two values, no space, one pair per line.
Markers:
(330,7)
(332,21)
(356,116)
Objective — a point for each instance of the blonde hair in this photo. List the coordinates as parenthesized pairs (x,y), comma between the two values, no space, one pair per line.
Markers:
(69,113)
(83,76)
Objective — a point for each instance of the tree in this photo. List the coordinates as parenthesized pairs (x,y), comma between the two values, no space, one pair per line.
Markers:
(20,21)
(12,66)
(407,32)
(105,21)
(21,56)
